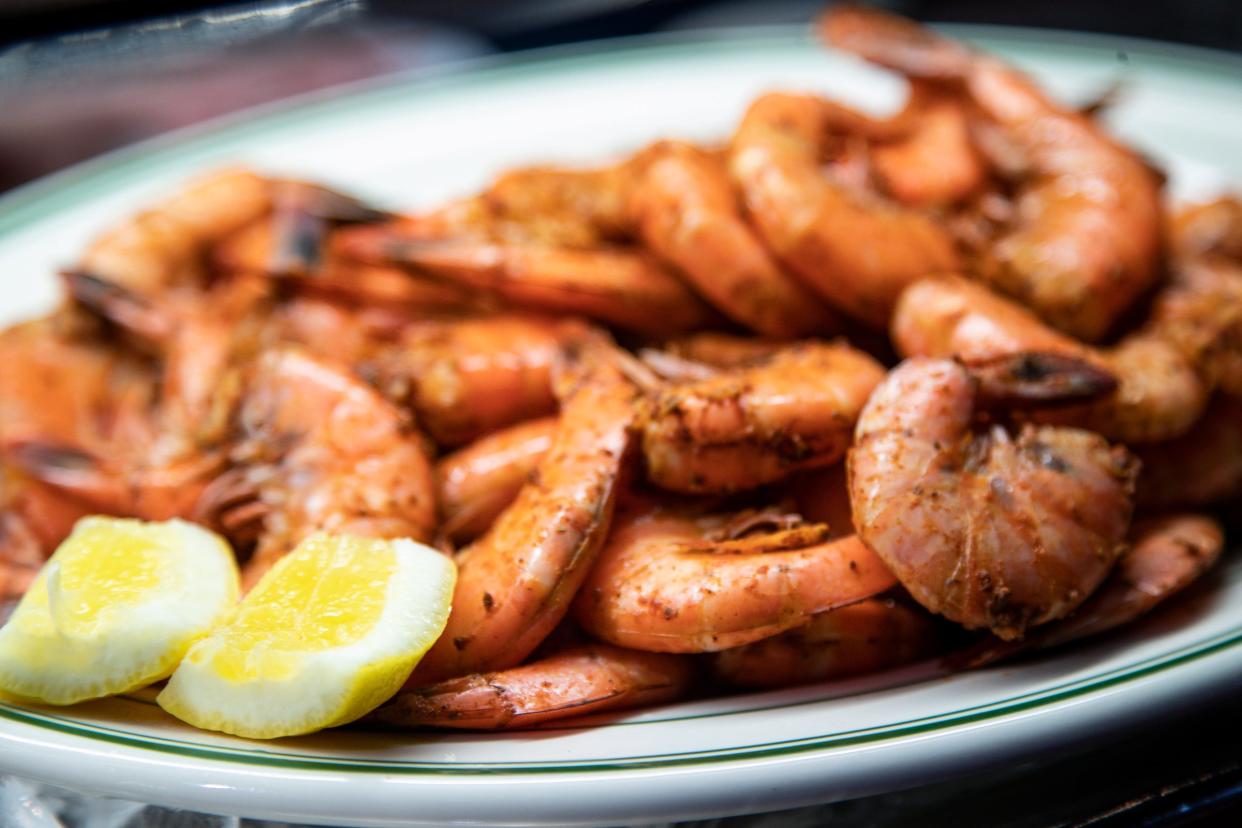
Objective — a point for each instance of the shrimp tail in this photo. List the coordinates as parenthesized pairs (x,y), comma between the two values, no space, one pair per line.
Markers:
(305,216)
(1038,379)
(127,309)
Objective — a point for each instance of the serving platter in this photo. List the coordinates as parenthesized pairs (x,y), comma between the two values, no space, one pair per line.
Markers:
(405,143)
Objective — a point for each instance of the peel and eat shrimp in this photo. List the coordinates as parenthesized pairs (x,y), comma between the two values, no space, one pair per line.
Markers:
(1159,394)
(162,246)
(317,450)
(757,424)
(674,197)
(993,530)
(1085,239)
(1165,555)
(996,531)
(515,583)
(852,248)
(688,581)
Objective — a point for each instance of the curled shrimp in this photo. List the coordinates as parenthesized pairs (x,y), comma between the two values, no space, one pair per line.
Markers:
(1159,394)
(1165,555)
(853,248)
(163,246)
(477,482)
(990,530)
(685,581)
(1086,236)
(515,583)
(317,450)
(581,680)
(743,428)
(688,215)
(468,377)
(866,637)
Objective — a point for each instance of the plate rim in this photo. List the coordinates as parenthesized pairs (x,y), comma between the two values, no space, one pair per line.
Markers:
(993,709)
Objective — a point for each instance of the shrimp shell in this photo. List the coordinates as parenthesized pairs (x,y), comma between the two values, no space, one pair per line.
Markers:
(989,530)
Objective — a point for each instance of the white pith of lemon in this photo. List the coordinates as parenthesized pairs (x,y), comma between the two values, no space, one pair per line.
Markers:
(328,634)
(115,608)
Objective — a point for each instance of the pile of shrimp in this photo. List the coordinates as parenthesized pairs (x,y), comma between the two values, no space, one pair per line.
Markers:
(836,395)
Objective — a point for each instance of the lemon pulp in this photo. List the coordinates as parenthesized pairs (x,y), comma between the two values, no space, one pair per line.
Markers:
(115,608)
(329,633)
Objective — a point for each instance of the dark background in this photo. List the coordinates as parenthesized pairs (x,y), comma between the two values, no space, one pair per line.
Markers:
(78,78)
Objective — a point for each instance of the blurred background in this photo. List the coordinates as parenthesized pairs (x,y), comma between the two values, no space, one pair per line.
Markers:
(79,77)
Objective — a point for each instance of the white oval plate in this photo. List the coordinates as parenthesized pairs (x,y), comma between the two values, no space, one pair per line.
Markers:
(408,143)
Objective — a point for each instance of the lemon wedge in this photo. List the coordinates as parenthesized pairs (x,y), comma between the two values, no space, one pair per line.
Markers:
(328,634)
(115,608)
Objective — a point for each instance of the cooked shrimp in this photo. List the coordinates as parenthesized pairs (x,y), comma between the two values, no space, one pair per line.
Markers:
(853,248)
(936,164)
(990,530)
(197,336)
(515,583)
(1086,238)
(616,285)
(469,377)
(477,482)
(76,416)
(317,450)
(57,390)
(681,580)
(164,245)
(872,635)
(590,679)
(1200,468)
(751,426)
(1159,394)
(1200,311)
(1165,555)
(688,215)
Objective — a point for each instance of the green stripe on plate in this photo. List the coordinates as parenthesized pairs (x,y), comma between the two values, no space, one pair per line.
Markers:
(840,739)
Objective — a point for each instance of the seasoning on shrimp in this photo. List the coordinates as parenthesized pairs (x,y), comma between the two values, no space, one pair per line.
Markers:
(1085,239)
(685,580)
(754,425)
(1159,394)
(515,583)
(991,530)
(581,680)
